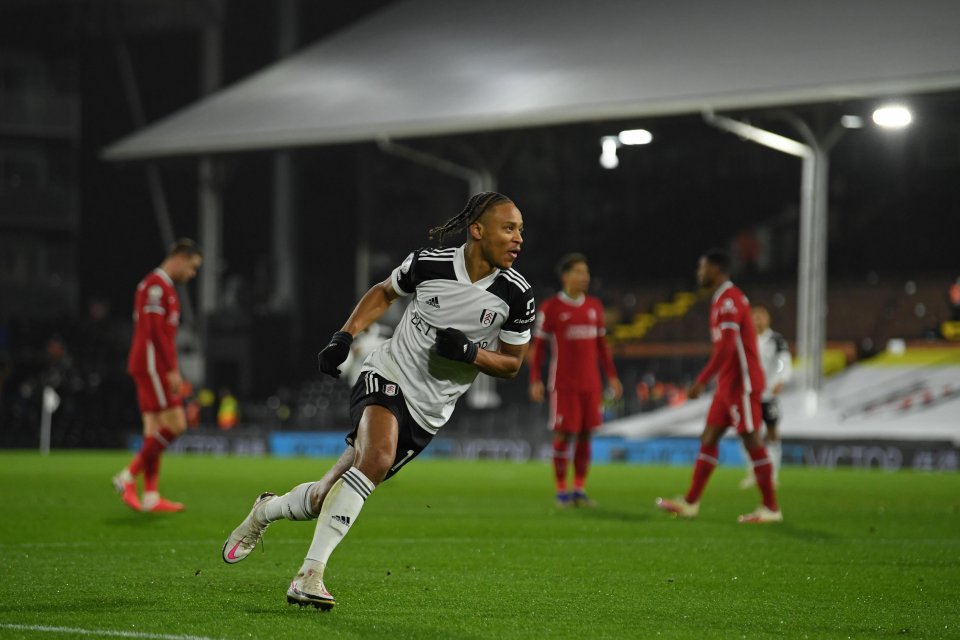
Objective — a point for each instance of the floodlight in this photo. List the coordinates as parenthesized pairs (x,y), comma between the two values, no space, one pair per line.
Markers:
(851,122)
(635,136)
(894,116)
(608,155)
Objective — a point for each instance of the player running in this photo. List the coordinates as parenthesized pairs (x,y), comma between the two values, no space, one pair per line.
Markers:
(574,323)
(469,312)
(736,402)
(153,366)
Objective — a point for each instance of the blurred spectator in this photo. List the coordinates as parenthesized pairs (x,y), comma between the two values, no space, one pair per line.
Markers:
(953,296)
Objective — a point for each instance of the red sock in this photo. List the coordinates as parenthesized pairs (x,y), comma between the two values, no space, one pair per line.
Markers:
(706,463)
(139,460)
(581,463)
(560,463)
(150,472)
(151,464)
(763,470)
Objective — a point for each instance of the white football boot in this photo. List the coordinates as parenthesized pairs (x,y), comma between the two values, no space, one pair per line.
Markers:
(679,507)
(761,515)
(307,588)
(244,538)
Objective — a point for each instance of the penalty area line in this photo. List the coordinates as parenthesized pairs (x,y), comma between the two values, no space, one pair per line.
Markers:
(100,632)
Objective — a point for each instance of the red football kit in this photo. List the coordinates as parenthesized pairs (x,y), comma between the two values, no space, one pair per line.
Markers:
(734,362)
(153,352)
(576,331)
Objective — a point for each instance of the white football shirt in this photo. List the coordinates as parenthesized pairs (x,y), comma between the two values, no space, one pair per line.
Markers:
(499,307)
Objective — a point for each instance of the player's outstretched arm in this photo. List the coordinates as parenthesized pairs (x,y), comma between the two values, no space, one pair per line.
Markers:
(503,363)
(372,305)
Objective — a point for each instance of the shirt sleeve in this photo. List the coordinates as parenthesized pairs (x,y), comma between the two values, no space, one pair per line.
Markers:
(518,327)
(403,277)
(728,326)
(603,349)
(155,316)
(784,363)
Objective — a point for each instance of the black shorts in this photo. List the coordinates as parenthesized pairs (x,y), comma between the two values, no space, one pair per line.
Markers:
(771,412)
(372,388)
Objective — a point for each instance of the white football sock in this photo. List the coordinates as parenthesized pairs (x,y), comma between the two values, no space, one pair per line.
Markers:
(748,462)
(293,505)
(150,499)
(776,456)
(340,510)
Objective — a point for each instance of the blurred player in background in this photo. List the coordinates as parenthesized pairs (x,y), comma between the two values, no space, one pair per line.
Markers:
(736,402)
(777,368)
(153,366)
(470,312)
(574,324)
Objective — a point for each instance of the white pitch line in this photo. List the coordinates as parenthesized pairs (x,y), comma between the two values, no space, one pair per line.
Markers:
(101,632)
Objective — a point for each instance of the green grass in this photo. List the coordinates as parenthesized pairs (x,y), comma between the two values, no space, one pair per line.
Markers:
(477,550)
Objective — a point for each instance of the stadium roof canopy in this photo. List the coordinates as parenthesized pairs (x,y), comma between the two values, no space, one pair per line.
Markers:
(431,67)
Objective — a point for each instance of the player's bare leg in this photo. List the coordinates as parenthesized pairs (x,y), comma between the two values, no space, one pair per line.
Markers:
(376,447)
(775,451)
(303,502)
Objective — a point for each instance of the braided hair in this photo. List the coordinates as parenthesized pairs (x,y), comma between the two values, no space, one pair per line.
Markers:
(475,208)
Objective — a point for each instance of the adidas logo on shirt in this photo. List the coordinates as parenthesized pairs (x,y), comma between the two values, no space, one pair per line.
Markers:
(434,302)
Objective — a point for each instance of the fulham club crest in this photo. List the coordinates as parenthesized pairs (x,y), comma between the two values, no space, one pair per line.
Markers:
(390,389)
(487,317)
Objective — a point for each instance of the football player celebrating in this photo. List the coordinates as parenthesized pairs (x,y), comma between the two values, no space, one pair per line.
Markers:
(736,402)
(470,312)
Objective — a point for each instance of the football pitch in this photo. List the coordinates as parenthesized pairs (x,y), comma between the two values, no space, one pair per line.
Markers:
(455,549)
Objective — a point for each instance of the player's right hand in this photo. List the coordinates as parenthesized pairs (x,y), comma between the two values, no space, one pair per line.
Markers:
(333,355)
(536,391)
(174,383)
(695,390)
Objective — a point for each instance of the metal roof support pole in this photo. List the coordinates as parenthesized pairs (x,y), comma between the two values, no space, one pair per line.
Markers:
(284,247)
(483,392)
(209,197)
(811,273)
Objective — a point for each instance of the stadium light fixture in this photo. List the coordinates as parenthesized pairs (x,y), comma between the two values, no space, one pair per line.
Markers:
(635,136)
(608,154)
(851,122)
(892,116)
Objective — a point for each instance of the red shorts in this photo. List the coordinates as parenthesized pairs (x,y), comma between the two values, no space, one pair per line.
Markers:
(738,410)
(575,411)
(153,395)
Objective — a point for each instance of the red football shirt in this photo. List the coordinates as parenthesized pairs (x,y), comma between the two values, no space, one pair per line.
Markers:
(734,359)
(576,332)
(156,316)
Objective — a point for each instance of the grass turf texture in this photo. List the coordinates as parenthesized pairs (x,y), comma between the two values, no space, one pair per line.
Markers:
(477,550)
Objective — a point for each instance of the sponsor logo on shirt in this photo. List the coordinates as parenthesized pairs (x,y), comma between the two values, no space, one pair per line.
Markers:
(581,332)
(433,302)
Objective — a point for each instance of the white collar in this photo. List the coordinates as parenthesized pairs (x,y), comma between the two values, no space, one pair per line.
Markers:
(163,274)
(719,292)
(460,269)
(576,302)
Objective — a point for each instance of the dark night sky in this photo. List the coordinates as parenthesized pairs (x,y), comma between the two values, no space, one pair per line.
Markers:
(895,204)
